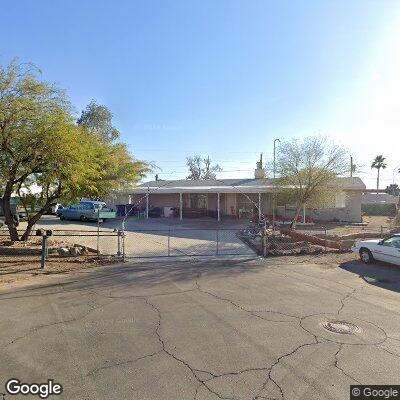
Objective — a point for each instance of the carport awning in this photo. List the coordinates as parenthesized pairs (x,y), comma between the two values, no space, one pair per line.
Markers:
(204,189)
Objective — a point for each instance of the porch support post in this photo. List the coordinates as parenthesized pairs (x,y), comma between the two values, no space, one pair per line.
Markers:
(147,205)
(259,206)
(180,207)
(218,206)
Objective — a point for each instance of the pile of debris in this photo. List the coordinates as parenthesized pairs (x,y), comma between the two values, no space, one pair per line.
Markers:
(283,245)
(33,247)
(320,240)
(74,250)
(284,241)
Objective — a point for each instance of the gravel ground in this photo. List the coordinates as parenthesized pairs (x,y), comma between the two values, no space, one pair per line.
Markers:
(27,268)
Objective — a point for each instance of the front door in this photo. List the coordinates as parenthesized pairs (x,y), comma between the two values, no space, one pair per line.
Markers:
(231,204)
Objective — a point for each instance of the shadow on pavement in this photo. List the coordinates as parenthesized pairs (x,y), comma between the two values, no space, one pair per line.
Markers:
(145,275)
(386,276)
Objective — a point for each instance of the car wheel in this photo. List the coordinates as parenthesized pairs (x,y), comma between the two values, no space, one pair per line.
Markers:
(62,218)
(83,218)
(366,256)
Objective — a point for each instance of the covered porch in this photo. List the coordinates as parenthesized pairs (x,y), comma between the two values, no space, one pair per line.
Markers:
(215,205)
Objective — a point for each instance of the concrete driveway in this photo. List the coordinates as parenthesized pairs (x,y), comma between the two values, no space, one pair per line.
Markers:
(205,330)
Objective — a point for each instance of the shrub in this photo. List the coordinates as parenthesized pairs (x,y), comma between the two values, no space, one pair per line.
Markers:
(387,210)
(396,221)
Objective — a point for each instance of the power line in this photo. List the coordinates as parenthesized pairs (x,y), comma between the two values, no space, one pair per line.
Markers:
(219,172)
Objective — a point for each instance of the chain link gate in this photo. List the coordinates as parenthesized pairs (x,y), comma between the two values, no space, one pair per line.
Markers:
(175,242)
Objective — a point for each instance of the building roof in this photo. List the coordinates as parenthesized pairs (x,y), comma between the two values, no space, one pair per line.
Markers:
(379,198)
(227,186)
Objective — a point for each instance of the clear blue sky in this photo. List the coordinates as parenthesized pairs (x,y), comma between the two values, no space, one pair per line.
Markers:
(222,78)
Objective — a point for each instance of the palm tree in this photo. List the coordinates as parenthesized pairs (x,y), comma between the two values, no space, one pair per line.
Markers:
(378,163)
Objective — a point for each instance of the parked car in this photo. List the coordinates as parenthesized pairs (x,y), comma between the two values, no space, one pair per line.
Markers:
(387,250)
(87,210)
(55,208)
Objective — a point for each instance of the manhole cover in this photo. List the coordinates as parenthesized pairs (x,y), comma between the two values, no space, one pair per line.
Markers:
(342,327)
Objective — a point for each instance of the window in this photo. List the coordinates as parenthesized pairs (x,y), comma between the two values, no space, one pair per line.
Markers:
(198,201)
(340,200)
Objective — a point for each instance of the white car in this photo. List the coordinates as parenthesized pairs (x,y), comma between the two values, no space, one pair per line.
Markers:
(387,250)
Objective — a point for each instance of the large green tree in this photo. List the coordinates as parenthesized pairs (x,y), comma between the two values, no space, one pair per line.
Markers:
(43,150)
(307,172)
(98,120)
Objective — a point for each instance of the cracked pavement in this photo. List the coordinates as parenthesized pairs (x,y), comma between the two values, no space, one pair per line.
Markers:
(205,329)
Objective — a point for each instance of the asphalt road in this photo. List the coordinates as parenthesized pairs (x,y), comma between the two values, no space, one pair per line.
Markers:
(215,329)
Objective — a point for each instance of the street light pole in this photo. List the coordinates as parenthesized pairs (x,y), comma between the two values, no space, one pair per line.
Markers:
(273,189)
(394,171)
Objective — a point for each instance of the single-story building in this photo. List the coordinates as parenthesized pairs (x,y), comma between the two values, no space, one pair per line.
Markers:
(380,203)
(379,198)
(237,198)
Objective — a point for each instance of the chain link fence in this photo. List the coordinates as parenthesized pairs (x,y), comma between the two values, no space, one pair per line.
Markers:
(310,239)
(63,244)
(177,241)
(171,242)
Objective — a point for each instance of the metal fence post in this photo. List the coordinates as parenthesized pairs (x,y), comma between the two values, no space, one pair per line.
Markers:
(44,251)
(123,246)
(98,232)
(119,242)
(264,242)
(381,232)
(169,240)
(217,238)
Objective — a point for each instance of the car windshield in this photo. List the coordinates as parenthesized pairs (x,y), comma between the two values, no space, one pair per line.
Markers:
(394,241)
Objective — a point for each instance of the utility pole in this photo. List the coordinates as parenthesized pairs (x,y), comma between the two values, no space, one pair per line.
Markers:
(273,189)
(397,169)
(351,166)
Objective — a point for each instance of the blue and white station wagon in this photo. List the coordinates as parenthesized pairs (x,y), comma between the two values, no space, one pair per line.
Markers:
(86,211)
(387,250)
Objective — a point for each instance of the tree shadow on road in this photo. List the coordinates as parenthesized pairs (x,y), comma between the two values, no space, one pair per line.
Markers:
(143,275)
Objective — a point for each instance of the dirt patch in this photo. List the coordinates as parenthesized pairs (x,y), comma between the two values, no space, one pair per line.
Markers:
(374,224)
(18,268)
(330,259)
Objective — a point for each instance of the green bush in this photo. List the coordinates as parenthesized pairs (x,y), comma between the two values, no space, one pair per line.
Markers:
(387,210)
